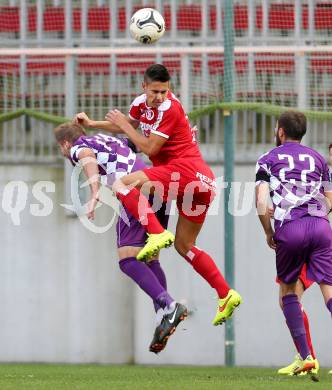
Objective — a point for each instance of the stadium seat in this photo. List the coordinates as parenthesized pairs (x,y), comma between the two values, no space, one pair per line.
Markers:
(321,65)
(46,67)
(93,67)
(189,17)
(275,66)
(76,19)
(9,19)
(9,68)
(99,19)
(323,16)
(54,19)
(240,17)
(282,17)
(32,19)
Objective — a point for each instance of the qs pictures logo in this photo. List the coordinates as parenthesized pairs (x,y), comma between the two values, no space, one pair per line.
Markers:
(80,196)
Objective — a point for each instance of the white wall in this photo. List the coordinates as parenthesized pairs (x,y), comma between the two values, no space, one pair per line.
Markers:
(63,298)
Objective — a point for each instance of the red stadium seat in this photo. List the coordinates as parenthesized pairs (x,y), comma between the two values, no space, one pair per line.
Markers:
(305,17)
(32,19)
(323,16)
(259,18)
(46,68)
(321,65)
(9,68)
(94,68)
(122,19)
(241,20)
(9,19)
(77,19)
(99,19)
(189,17)
(282,17)
(54,19)
(167,16)
(275,64)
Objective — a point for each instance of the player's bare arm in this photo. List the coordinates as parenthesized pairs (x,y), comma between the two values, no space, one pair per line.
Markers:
(149,146)
(83,120)
(262,205)
(328,196)
(90,167)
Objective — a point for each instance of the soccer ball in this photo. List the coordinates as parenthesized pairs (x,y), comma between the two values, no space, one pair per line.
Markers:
(147,25)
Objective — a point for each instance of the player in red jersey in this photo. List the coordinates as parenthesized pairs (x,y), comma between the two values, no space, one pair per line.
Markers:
(179,172)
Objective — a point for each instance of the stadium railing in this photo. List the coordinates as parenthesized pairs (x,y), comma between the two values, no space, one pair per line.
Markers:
(64,81)
(26,136)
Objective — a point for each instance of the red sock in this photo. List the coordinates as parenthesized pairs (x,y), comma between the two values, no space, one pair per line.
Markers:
(206,267)
(138,205)
(307,331)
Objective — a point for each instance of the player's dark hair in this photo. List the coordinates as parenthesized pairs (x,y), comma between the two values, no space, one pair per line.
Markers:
(294,124)
(156,72)
(68,131)
(330,146)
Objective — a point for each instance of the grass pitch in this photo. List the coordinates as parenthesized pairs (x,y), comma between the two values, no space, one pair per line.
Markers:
(131,377)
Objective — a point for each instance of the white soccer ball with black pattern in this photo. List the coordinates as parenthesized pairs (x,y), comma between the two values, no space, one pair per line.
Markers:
(147,26)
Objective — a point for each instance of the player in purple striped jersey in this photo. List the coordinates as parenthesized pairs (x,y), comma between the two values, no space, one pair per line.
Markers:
(104,159)
(330,153)
(299,183)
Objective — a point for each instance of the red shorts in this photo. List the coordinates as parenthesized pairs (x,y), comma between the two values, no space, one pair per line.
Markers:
(303,277)
(190,182)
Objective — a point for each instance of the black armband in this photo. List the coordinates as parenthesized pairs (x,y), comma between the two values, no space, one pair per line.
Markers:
(132,146)
(262,176)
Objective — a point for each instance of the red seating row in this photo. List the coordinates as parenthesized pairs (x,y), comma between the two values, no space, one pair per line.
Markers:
(216,66)
(281,17)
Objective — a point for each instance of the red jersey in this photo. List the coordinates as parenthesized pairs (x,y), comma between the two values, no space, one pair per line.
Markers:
(169,121)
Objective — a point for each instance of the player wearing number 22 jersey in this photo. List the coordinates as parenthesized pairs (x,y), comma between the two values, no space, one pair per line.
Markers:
(298,176)
(299,183)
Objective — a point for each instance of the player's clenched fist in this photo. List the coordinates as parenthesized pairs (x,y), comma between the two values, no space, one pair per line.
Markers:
(82,119)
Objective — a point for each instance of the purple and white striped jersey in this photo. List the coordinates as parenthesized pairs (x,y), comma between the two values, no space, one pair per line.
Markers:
(115,158)
(297,177)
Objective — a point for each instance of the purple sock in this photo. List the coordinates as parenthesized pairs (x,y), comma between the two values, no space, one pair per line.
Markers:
(329,305)
(141,274)
(294,317)
(155,267)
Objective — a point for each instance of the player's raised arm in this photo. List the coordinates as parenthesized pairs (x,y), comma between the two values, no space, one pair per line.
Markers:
(83,120)
(90,166)
(148,145)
